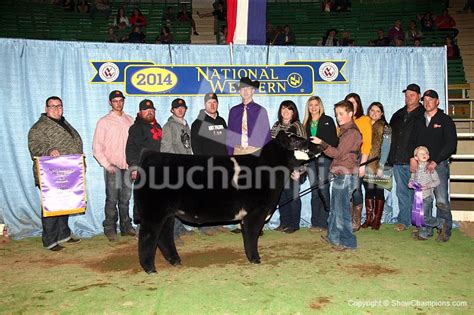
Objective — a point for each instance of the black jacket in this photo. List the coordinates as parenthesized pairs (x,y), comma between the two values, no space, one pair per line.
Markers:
(208,135)
(439,136)
(326,130)
(402,123)
(142,135)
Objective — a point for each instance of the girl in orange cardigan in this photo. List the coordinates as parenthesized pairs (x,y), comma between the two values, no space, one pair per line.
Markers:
(365,127)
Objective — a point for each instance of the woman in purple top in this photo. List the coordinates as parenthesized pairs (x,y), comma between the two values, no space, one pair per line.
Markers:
(249,127)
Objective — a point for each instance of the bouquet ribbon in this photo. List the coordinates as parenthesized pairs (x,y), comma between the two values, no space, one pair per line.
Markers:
(417,213)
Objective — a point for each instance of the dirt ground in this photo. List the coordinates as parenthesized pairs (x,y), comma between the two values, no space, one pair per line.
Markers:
(298,274)
(124,257)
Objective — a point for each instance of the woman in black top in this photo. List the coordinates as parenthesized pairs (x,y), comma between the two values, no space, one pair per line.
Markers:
(316,123)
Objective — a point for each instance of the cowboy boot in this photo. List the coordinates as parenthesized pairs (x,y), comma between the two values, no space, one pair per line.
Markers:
(378,211)
(369,212)
(356,217)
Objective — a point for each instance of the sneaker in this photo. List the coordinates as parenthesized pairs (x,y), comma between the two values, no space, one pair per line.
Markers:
(111,236)
(56,248)
(73,240)
(130,232)
(417,237)
(342,248)
(317,229)
(280,228)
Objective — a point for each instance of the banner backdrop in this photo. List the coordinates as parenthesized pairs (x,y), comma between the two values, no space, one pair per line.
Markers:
(83,74)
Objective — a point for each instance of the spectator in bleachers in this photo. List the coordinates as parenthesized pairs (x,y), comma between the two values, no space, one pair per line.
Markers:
(469,5)
(136,36)
(327,6)
(342,5)
(168,16)
(278,39)
(165,36)
(121,20)
(219,14)
(285,37)
(111,37)
(185,16)
(445,22)
(397,42)
(417,42)
(381,39)
(270,35)
(100,6)
(330,38)
(413,32)
(346,39)
(138,19)
(453,49)
(223,35)
(68,5)
(83,6)
(427,21)
(396,32)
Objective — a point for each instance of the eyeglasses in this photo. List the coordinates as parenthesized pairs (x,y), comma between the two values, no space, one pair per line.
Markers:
(55,106)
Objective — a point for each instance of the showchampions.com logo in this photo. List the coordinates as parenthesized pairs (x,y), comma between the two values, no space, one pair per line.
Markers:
(147,78)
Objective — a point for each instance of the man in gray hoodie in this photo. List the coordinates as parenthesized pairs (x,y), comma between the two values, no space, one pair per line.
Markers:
(177,139)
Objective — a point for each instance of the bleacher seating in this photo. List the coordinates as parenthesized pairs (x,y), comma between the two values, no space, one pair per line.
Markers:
(42,20)
(310,23)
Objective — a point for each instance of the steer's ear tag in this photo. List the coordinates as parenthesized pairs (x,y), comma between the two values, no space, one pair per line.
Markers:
(300,155)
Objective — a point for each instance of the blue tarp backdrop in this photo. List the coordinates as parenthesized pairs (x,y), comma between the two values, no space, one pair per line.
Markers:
(34,70)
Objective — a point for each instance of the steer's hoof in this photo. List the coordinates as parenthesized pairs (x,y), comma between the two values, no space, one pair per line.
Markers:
(150,271)
(255,261)
(176,263)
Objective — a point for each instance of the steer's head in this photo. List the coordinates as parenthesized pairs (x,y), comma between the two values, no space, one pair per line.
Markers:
(295,143)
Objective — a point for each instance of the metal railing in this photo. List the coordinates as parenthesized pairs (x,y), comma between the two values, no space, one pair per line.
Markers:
(463,157)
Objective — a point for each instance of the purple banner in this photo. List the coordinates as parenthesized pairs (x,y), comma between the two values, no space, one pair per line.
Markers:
(62,184)
(417,212)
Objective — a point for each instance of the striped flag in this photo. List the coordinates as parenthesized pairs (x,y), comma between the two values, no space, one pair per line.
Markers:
(246,21)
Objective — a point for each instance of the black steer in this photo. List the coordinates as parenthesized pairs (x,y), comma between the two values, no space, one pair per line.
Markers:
(204,190)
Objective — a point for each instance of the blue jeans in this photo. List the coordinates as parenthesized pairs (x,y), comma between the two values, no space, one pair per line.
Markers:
(340,218)
(430,221)
(401,174)
(118,190)
(290,213)
(357,197)
(443,206)
(318,175)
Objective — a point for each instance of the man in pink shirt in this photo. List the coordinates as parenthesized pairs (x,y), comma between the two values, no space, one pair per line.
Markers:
(108,147)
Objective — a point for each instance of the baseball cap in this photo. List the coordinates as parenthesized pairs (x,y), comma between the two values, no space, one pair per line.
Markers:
(210,96)
(177,102)
(146,104)
(431,93)
(413,87)
(115,93)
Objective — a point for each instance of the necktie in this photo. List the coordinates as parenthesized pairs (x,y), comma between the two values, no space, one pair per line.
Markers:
(245,139)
